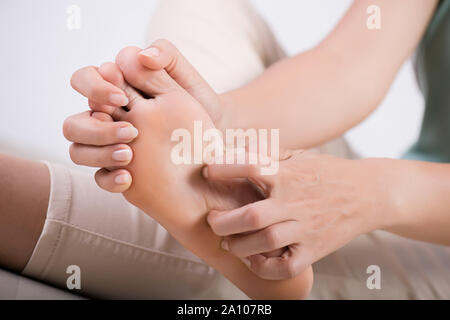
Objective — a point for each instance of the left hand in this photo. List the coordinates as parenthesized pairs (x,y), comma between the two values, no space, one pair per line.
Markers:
(315,204)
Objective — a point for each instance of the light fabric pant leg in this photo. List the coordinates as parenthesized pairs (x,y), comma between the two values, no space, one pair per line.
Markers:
(122,253)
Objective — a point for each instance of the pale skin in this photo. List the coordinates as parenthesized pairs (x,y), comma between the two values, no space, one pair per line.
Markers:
(351,69)
(21,220)
(374,54)
(184,216)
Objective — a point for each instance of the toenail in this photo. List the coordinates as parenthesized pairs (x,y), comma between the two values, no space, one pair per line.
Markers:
(127,133)
(122,155)
(122,179)
(151,52)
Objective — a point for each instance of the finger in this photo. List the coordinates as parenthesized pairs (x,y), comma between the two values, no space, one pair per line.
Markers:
(84,129)
(252,217)
(162,54)
(117,114)
(91,84)
(149,82)
(101,157)
(112,73)
(102,108)
(116,181)
(271,238)
(294,261)
(253,172)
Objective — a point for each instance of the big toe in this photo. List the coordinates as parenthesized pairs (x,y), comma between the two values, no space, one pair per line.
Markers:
(162,54)
(149,82)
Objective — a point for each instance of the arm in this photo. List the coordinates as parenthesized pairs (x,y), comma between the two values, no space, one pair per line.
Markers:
(318,95)
(24,196)
(179,206)
(318,203)
(421,207)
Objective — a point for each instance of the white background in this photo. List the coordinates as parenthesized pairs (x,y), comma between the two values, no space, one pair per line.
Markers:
(38,55)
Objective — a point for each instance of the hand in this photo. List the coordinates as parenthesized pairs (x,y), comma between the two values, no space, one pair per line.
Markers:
(315,204)
(99,139)
(181,207)
(162,54)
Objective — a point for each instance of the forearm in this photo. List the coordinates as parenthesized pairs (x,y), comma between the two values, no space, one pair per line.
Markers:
(319,94)
(24,196)
(421,198)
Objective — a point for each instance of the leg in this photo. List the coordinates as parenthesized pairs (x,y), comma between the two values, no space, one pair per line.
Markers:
(185,217)
(237,50)
(122,253)
(21,221)
(75,231)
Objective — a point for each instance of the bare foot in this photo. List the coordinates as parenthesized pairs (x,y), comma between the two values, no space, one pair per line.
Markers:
(178,196)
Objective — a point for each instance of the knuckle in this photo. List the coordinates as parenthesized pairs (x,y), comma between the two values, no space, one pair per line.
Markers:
(97,90)
(290,268)
(68,129)
(253,218)
(213,171)
(163,43)
(103,134)
(253,171)
(73,152)
(75,78)
(100,178)
(106,65)
(99,156)
(235,248)
(216,228)
(272,238)
(126,54)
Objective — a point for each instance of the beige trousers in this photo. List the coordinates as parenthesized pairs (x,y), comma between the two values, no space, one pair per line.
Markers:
(123,253)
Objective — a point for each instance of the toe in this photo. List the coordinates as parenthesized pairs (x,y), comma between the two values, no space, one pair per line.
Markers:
(112,73)
(162,54)
(149,82)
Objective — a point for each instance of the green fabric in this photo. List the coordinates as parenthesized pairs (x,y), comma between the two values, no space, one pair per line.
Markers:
(433,75)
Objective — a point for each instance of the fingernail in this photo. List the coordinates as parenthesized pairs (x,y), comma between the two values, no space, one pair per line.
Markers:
(118,99)
(122,155)
(127,133)
(205,172)
(122,179)
(224,245)
(151,52)
(246,262)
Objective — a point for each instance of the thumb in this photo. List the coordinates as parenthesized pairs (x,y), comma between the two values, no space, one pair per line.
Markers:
(162,54)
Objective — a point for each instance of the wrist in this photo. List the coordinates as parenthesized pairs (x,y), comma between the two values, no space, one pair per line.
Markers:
(385,193)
